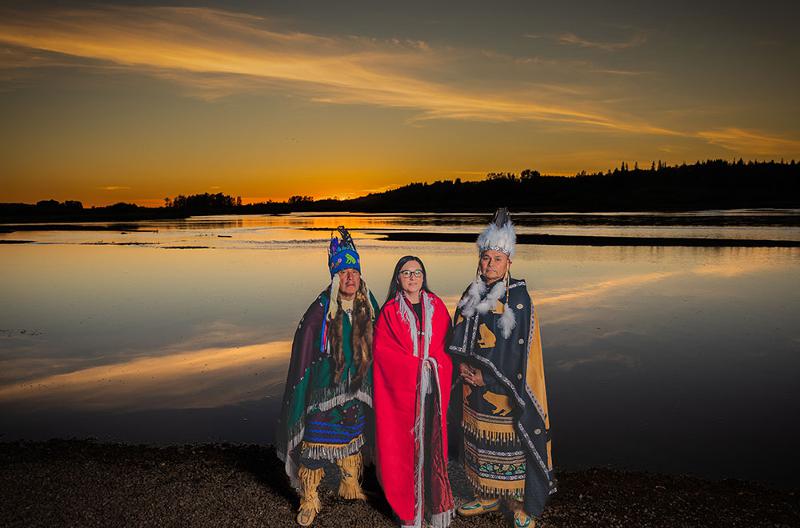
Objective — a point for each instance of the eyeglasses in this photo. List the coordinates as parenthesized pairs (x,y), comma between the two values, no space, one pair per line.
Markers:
(406,274)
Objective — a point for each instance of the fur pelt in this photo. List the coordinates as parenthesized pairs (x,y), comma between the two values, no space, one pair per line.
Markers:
(479,298)
(362,335)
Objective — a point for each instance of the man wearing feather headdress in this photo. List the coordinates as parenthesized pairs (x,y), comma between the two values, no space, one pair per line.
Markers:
(503,411)
(328,393)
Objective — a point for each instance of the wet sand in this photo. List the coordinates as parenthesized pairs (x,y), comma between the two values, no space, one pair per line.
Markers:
(82,483)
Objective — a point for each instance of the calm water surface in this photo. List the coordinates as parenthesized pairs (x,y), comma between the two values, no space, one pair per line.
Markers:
(665,359)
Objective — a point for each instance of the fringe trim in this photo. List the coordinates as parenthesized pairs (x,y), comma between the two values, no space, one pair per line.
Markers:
(327,399)
(351,469)
(437,520)
(319,451)
(408,316)
(428,323)
(442,520)
(332,397)
(491,491)
(428,375)
(474,428)
(295,437)
(423,387)
(309,480)
(492,436)
(426,326)
(364,397)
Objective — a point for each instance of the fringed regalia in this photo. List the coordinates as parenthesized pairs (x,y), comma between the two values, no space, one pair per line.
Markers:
(505,423)
(412,391)
(322,418)
(328,395)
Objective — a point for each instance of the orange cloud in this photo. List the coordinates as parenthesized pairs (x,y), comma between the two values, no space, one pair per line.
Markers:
(750,142)
(213,53)
(216,53)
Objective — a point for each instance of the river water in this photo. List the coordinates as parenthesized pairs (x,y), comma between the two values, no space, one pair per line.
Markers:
(668,359)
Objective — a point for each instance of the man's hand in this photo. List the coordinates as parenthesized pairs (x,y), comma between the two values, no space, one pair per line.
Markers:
(471,375)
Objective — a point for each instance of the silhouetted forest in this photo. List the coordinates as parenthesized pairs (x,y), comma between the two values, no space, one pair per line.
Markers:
(73,210)
(713,184)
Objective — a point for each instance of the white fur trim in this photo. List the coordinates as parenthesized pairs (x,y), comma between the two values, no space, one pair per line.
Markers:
(507,321)
(333,300)
(474,299)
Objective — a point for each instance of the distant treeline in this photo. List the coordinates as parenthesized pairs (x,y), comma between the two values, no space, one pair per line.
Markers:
(73,210)
(713,184)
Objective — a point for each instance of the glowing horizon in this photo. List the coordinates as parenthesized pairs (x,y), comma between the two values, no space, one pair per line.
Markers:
(118,103)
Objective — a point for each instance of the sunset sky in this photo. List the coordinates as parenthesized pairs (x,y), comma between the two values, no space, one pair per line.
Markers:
(106,102)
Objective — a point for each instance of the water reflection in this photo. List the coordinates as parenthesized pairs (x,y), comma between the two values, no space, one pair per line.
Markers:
(249,231)
(211,377)
(668,359)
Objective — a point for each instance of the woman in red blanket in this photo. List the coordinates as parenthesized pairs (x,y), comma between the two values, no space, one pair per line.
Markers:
(411,392)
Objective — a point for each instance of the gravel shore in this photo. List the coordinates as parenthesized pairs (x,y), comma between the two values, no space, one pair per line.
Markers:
(82,483)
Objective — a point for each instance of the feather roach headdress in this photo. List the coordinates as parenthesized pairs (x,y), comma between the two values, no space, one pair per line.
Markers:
(499,235)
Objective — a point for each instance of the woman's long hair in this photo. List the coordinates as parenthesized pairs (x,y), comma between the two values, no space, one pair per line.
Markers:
(394,285)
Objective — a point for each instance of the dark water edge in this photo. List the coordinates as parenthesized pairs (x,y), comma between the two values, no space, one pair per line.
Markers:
(133,228)
(84,483)
(579,240)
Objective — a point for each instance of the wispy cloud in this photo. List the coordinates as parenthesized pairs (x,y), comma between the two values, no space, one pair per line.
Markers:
(748,142)
(627,73)
(15,57)
(18,63)
(114,188)
(348,194)
(572,39)
(216,53)
(471,172)
(213,53)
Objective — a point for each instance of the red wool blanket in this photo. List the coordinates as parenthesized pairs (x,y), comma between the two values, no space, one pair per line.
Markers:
(406,374)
